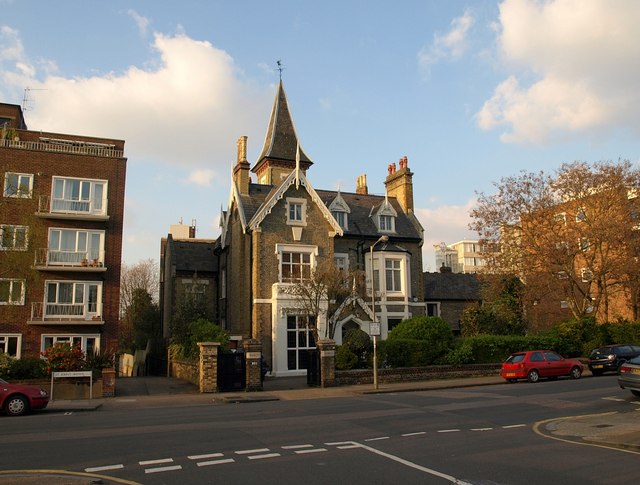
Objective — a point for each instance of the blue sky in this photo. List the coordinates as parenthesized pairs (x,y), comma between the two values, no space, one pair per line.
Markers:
(468,91)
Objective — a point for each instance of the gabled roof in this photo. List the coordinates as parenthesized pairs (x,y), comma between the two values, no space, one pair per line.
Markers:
(281,140)
(191,255)
(298,178)
(360,221)
(451,286)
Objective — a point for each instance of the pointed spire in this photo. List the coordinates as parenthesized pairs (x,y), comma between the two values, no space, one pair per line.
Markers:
(281,142)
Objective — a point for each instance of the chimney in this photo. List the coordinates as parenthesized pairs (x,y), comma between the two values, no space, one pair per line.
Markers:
(399,184)
(361,185)
(241,170)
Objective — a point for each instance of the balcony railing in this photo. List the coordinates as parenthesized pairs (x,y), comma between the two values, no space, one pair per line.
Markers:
(55,259)
(73,208)
(65,312)
(65,146)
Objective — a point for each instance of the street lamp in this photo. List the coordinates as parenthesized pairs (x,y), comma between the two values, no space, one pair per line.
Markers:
(376,332)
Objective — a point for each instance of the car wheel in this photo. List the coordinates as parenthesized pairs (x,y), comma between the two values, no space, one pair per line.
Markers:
(635,393)
(533,376)
(576,373)
(16,406)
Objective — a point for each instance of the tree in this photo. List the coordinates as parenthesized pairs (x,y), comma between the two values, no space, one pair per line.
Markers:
(569,236)
(141,321)
(320,295)
(144,275)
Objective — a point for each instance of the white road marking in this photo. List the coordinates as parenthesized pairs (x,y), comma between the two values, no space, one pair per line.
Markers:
(415,434)
(616,399)
(313,450)
(296,447)
(163,469)
(514,426)
(261,457)
(103,468)
(215,462)
(448,430)
(201,457)
(481,429)
(348,447)
(156,462)
(378,438)
(248,452)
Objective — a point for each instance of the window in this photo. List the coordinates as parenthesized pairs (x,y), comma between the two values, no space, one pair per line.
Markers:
(296,212)
(295,267)
(386,223)
(81,196)
(73,299)
(13,237)
(581,215)
(195,287)
(587,275)
(560,217)
(88,343)
(564,304)
(341,218)
(584,244)
(299,341)
(433,309)
(342,261)
(392,323)
(393,275)
(18,185)
(71,246)
(11,292)
(10,344)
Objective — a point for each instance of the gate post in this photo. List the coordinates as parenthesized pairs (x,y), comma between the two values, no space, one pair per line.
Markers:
(253,368)
(327,348)
(208,369)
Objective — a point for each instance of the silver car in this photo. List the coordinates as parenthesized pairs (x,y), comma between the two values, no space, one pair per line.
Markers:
(629,376)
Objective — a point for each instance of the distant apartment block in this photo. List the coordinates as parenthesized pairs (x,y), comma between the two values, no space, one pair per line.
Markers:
(61,219)
(462,257)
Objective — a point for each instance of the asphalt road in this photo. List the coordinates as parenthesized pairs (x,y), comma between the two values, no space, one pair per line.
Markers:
(481,435)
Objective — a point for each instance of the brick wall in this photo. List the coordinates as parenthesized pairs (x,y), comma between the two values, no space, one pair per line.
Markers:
(412,374)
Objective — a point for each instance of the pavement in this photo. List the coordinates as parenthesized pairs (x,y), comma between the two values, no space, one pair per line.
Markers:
(618,430)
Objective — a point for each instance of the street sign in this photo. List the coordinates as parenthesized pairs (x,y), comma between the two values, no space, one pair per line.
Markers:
(374,329)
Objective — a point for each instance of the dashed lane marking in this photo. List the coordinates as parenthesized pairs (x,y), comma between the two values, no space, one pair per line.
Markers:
(202,457)
(514,426)
(215,462)
(481,429)
(417,433)
(448,430)
(163,469)
(249,452)
(103,468)
(262,457)
(296,447)
(379,438)
(155,462)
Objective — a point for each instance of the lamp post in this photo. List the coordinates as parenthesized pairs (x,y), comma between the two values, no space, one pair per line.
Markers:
(383,239)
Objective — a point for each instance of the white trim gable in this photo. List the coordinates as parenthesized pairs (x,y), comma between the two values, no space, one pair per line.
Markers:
(339,204)
(273,199)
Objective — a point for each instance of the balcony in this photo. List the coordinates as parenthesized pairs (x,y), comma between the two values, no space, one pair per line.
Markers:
(65,146)
(89,210)
(66,313)
(55,260)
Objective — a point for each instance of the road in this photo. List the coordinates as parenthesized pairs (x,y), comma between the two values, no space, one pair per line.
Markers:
(481,435)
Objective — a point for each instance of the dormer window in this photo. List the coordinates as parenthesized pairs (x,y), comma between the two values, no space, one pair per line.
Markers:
(340,211)
(385,217)
(386,223)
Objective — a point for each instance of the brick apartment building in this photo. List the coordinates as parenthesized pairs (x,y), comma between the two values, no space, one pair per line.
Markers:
(279,227)
(61,220)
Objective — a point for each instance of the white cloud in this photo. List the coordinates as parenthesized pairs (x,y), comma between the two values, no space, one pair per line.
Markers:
(141,21)
(573,68)
(183,111)
(447,223)
(201,177)
(450,45)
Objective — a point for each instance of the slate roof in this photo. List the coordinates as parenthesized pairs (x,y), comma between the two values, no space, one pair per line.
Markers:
(281,140)
(451,286)
(190,255)
(361,221)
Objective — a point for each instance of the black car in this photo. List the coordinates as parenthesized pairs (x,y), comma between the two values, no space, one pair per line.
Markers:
(609,358)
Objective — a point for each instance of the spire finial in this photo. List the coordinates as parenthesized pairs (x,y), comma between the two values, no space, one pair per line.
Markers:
(280,68)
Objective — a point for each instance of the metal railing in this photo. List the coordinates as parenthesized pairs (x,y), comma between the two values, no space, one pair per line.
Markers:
(70,147)
(64,311)
(64,206)
(81,259)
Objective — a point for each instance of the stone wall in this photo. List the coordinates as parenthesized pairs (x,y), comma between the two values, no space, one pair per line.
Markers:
(411,374)
(184,370)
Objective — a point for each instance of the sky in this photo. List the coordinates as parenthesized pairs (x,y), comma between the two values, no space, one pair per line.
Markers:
(469,91)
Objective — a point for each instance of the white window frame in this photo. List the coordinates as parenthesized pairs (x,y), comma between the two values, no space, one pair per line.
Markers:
(300,218)
(78,255)
(79,306)
(396,275)
(281,249)
(380,284)
(341,261)
(195,287)
(586,275)
(385,220)
(341,218)
(6,338)
(584,244)
(51,339)
(12,290)
(10,227)
(24,179)
(64,201)
(300,332)
(581,214)
(427,304)
(561,217)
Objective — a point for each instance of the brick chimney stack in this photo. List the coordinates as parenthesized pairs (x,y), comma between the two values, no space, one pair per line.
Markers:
(241,170)
(399,184)
(361,185)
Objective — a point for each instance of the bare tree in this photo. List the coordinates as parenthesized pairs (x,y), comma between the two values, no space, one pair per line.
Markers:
(569,236)
(144,275)
(320,295)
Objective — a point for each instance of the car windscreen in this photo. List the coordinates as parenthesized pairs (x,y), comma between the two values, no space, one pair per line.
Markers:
(515,358)
(600,351)
(635,360)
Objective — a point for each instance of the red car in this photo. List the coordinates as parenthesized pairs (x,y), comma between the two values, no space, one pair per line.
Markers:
(534,364)
(17,399)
